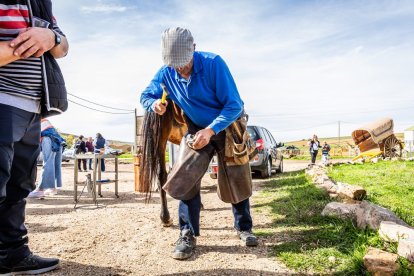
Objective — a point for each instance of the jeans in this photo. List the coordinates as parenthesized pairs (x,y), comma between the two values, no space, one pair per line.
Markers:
(189,215)
(325,158)
(83,162)
(313,156)
(102,165)
(189,210)
(102,161)
(19,149)
(52,171)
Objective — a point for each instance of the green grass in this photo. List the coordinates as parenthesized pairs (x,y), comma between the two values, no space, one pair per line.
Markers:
(389,184)
(302,238)
(126,155)
(319,157)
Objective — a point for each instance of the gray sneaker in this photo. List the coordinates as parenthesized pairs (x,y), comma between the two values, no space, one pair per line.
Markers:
(248,238)
(185,245)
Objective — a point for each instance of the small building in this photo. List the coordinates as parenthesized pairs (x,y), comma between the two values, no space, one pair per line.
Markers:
(409,139)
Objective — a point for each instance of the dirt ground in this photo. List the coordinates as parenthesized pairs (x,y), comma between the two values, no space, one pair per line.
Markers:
(123,236)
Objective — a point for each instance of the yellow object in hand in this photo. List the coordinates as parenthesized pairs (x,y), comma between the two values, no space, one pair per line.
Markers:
(164,97)
(164,94)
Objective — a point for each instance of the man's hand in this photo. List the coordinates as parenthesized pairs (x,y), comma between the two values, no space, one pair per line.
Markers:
(159,107)
(33,41)
(202,138)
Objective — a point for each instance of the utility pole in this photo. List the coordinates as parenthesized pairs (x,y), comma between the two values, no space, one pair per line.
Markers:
(339,136)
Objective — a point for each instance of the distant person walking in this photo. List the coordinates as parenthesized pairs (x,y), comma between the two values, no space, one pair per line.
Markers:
(80,147)
(314,146)
(100,144)
(90,148)
(325,153)
(52,146)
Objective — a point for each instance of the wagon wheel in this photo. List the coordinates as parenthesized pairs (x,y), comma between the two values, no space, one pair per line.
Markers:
(392,147)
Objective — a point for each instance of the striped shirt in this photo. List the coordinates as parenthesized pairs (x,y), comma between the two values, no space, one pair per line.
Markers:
(21,82)
(21,78)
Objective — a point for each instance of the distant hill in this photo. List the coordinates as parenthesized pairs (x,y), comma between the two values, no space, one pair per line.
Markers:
(346,143)
(333,141)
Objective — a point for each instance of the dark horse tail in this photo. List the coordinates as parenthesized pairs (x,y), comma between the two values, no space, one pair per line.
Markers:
(154,139)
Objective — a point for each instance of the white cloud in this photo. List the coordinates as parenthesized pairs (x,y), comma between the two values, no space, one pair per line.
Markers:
(297,66)
(103,9)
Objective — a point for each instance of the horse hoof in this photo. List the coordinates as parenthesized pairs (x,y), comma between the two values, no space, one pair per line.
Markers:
(168,223)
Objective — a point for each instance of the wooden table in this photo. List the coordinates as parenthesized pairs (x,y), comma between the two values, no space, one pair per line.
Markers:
(96,173)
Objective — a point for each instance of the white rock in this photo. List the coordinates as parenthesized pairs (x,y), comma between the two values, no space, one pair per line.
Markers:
(329,186)
(333,196)
(391,231)
(321,179)
(406,249)
(341,210)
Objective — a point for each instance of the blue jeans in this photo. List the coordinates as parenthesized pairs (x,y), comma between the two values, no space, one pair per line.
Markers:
(19,149)
(52,162)
(102,161)
(189,215)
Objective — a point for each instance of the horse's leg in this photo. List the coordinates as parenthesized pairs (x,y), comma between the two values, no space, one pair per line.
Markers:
(162,173)
(165,214)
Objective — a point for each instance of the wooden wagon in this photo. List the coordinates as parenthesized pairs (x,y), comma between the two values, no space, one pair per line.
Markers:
(377,139)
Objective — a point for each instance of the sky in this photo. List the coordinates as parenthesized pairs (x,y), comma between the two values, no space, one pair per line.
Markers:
(301,67)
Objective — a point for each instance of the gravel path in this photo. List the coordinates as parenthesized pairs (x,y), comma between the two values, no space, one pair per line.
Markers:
(124,236)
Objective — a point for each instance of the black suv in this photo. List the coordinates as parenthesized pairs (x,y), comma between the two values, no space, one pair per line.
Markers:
(268,159)
(269,156)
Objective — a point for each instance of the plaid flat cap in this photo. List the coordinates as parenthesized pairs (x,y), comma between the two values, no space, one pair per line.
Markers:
(177,46)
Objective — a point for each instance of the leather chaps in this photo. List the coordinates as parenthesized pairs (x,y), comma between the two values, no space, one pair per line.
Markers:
(184,180)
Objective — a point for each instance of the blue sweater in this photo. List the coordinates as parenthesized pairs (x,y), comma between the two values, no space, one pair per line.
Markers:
(209,98)
(54,136)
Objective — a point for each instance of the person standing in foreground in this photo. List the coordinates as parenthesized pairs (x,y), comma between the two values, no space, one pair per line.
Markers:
(201,84)
(31,87)
(52,147)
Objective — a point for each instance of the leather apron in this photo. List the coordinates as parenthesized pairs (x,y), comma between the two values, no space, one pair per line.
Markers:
(184,180)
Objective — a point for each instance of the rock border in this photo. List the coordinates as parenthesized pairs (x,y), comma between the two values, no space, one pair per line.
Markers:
(351,205)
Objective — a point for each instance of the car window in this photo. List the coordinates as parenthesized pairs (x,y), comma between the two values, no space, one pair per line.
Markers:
(272,141)
(271,137)
(253,134)
(266,135)
(260,132)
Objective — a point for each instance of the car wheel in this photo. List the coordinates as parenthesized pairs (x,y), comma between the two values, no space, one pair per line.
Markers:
(280,169)
(267,172)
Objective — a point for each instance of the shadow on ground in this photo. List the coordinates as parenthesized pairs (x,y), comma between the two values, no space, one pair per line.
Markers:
(228,272)
(68,268)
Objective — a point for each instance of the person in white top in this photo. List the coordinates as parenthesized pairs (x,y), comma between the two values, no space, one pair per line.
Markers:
(314,146)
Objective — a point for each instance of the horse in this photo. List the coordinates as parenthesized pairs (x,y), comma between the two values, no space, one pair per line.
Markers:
(157,130)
